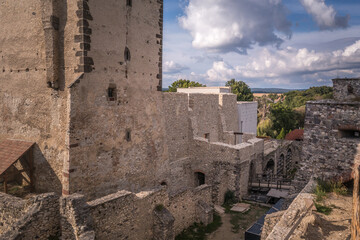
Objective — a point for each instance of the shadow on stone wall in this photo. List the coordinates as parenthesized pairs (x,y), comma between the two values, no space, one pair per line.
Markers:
(45,179)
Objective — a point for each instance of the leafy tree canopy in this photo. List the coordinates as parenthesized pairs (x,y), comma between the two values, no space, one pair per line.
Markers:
(241,89)
(294,99)
(182,83)
(283,118)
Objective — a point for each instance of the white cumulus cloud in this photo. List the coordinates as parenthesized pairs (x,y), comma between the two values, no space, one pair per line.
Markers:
(325,16)
(234,25)
(172,67)
(278,67)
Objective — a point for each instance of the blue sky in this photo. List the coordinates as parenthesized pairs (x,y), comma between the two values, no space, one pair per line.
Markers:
(266,43)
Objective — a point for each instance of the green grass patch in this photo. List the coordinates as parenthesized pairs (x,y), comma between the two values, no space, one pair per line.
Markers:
(242,221)
(198,231)
(323,209)
(320,193)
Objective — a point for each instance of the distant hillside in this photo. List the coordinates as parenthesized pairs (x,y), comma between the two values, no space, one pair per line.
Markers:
(273,90)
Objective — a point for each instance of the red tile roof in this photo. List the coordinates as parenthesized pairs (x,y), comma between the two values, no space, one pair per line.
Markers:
(11,151)
(297,134)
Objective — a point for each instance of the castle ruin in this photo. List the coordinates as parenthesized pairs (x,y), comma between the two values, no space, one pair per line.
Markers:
(81,95)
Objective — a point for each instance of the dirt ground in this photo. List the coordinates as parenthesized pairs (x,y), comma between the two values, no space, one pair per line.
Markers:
(335,226)
(235,224)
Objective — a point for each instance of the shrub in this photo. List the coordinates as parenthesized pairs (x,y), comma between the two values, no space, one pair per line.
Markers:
(229,198)
(323,209)
(159,207)
(339,188)
(320,193)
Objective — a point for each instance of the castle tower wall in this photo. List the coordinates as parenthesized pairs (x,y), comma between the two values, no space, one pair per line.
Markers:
(33,102)
(116,127)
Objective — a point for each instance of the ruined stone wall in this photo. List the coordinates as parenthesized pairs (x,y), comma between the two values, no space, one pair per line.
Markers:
(125,215)
(11,210)
(118,142)
(39,219)
(346,89)
(285,154)
(328,152)
(226,167)
(33,97)
(189,115)
(184,206)
(270,221)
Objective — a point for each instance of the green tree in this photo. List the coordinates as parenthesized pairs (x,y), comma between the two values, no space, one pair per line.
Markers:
(283,117)
(241,89)
(273,96)
(282,134)
(182,83)
(264,128)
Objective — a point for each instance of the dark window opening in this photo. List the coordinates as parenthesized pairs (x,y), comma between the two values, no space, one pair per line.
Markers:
(127,55)
(349,133)
(111,93)
(128,135)
(129,3)
(199,178)
(350,89)
(207,136)
(163,183)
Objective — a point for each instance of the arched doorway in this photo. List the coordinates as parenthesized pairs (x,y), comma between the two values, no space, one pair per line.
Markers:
(199,179)
(280,165)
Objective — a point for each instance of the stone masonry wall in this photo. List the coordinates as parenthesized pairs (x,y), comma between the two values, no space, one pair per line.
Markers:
(346,89)
(118,143)
(329,154)
(40,219)
(125,215)
(30,108)
(226,167)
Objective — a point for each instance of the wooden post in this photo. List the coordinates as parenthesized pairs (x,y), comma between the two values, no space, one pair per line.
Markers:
(355,223)
(5,184)
(31,166)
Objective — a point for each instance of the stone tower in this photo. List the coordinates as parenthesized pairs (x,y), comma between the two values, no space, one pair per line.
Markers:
(81,79)
(332,133)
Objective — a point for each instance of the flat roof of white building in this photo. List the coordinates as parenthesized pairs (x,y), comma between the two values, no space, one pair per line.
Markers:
(209,90)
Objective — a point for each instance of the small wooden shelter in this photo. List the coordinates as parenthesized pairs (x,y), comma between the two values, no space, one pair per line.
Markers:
(16,159)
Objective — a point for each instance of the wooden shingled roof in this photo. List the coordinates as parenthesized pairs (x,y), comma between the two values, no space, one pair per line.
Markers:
(11,151)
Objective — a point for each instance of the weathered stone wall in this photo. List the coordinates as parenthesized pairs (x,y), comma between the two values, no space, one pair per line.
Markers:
(11,210)
(270,221)
(226,167)
(30,110)
(301,207)
(118,143)
(285,154)
(76,219)
(328,152)
(346,89)
(125,215)
(39,219)
(184,206)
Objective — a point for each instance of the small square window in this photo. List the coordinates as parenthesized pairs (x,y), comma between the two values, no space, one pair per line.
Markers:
(129,3)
